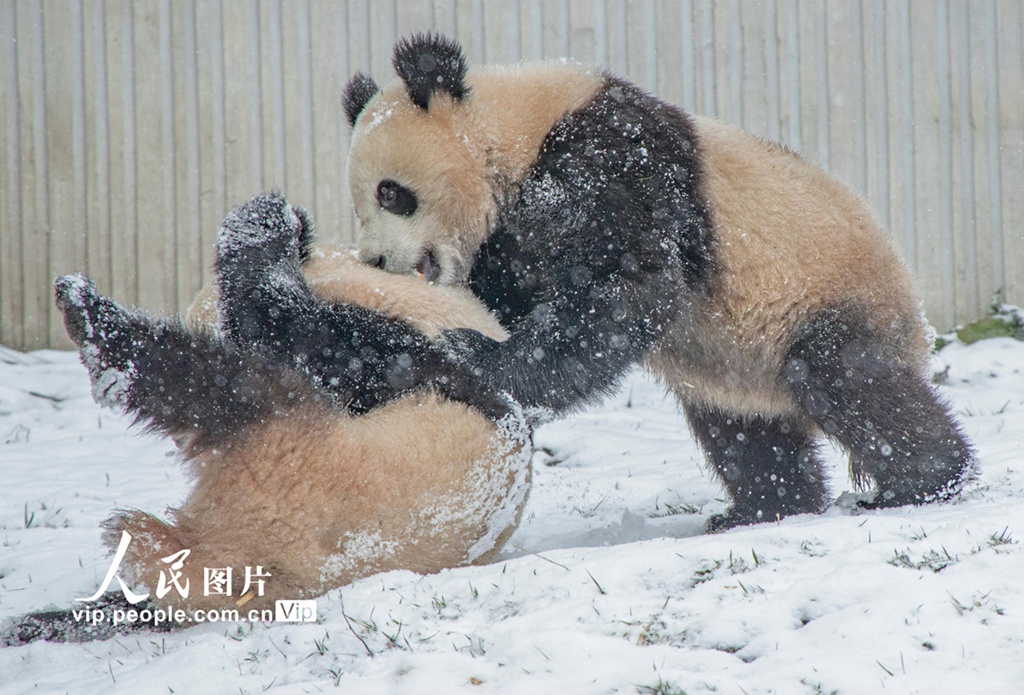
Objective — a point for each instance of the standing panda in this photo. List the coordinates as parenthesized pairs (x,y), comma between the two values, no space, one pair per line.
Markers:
(315,485)
(608,228)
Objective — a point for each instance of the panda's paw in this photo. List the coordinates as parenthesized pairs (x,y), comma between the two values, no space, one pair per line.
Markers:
(853,502)
(61,625)
(90,318)
(77,299)
(103,332)
(718,523)
(466,346)
(263,232)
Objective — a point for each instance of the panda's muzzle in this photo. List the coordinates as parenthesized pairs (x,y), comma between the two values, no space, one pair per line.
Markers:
(427,266)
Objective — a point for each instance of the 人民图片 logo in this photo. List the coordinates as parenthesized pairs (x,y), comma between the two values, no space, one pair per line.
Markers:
(217,581)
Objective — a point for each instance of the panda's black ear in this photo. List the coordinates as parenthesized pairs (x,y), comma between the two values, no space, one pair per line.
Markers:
(307,234)
(429,63)
(358,92)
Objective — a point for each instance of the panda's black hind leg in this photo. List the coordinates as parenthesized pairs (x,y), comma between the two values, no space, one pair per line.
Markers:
(105,333)
(172,380)
(897,431)
(770,467)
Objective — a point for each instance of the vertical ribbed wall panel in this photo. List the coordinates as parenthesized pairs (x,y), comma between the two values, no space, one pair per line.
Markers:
(128,129)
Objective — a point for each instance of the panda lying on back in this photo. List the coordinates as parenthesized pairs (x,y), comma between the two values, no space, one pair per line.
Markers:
(608,229)
(317,486)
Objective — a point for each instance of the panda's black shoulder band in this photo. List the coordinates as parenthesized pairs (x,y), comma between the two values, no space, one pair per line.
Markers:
(429,63)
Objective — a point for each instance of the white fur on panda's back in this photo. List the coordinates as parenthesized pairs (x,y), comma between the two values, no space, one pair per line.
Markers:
(790,242)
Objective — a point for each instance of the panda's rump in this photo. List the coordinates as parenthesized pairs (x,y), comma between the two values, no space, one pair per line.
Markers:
(790,243)
(320,498)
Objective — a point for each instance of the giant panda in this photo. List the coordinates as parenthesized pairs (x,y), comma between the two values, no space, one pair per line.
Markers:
(313,490)
(608,228)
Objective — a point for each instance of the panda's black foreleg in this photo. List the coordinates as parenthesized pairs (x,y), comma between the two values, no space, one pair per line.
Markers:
(898,433)
(770,467)
(174,381)
(573,350)
(359,357)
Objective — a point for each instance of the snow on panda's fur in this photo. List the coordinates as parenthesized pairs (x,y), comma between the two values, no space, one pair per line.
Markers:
(608,228)
(287,477)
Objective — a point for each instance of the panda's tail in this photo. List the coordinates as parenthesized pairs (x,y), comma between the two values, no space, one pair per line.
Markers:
(190,385)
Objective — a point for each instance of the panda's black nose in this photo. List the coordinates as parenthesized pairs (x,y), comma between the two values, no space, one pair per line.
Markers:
(378,262)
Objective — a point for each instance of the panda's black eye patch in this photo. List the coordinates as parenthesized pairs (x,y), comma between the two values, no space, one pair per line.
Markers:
(396,198)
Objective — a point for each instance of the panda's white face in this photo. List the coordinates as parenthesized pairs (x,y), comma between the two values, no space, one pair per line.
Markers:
(421,187)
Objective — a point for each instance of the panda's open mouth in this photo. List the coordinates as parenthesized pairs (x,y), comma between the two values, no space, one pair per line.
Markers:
(427,267)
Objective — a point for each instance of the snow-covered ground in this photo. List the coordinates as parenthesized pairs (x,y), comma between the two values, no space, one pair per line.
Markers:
(609,586)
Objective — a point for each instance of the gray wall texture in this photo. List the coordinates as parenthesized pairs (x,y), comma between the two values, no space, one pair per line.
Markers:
(128,129)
